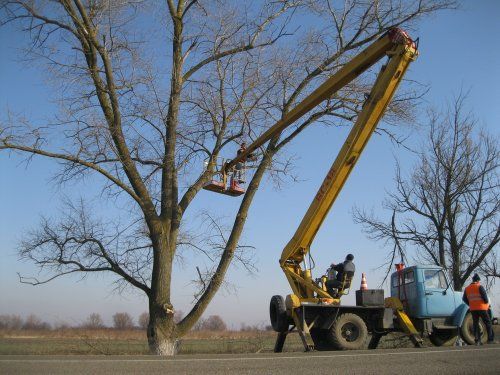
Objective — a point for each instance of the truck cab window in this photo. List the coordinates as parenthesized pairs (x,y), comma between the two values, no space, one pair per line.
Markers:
(435,279)
(395,281)
(408,277)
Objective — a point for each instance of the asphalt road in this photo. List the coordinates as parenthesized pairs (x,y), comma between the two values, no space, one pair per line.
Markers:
(455,360)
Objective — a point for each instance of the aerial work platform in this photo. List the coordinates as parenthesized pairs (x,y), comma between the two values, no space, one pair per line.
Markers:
(234,189)
(228,181)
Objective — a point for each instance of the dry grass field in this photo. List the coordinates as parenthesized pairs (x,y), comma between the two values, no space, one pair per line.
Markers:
(133,342)
(110,341)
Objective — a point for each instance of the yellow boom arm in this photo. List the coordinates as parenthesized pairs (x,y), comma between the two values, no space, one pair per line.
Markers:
(400,56)
(359,64)
(401,51)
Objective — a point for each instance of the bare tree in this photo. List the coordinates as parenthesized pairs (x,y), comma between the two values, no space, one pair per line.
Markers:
(94,321)
(33,322)
(13,322)
(213,323)
(232,69)
(143,320)
(447,211)
(198,326)
(122,321)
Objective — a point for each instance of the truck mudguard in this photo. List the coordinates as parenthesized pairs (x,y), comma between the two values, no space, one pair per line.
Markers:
(459,314)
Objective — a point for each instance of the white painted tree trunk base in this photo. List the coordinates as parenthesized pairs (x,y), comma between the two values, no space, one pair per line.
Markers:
(165,347)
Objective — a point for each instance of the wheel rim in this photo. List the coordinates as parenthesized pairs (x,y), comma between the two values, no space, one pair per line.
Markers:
(350,332)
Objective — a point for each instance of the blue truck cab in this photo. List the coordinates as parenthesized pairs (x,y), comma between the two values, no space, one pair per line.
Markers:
(431,303)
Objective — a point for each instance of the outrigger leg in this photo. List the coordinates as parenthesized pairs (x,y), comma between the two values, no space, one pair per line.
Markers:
(375,340)
(280,341)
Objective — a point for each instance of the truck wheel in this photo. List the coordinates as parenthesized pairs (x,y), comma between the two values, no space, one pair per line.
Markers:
(466,329)
(446,337)
(348,332)
(277,313)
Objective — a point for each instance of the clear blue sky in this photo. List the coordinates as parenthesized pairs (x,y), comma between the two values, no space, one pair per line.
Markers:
(458,49)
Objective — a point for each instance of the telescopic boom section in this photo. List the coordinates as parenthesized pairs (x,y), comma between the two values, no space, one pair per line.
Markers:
(401,51)
(359,64)
(391,74)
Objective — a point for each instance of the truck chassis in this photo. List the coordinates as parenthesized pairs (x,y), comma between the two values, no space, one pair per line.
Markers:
(334,327)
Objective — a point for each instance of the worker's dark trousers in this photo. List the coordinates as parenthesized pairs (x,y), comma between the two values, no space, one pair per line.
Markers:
(331,285)
(483,314)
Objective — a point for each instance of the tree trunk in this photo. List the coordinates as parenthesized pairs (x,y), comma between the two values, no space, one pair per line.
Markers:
(457,284)
(162,330)
(162,335)
(160,342)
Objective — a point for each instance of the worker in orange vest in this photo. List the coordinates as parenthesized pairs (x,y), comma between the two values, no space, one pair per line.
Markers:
(475,296)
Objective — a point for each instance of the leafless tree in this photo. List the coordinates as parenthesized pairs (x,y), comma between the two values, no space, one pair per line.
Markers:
(122,321)
(13,322)
(198,326)
(94,321)
(143,320)
(447,210)
(213,323)
(140,121)
(33,322)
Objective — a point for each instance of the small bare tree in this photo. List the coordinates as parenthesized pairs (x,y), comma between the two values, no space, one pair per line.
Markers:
(33,322)
(143,320)
(13,322)
(447,210)
(123,321)
(213,323)
(94,321)
(147,93)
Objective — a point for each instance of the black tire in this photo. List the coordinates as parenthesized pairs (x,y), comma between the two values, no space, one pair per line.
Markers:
(277,314)
(467,332)
(445,337)
(348,332)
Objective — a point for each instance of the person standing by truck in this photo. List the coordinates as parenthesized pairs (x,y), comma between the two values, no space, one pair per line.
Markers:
(475,296)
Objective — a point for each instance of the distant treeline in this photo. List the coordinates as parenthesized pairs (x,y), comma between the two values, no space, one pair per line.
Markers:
(121,321)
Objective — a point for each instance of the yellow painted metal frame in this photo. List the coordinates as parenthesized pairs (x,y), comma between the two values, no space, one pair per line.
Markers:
(404,320)
(381,94)
(401,51)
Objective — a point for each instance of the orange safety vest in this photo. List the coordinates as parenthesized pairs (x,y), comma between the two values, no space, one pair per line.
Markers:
(476,302)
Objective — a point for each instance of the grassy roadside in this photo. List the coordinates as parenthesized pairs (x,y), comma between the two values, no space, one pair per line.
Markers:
(133,342)
(112,342)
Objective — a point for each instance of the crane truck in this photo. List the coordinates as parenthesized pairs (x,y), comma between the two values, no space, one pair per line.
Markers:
(311,309)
